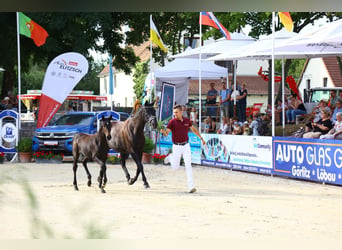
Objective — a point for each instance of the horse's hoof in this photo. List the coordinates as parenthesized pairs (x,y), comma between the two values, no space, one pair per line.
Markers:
(103,191)
(76,188)
(146,185)
(130,182)
(89,183)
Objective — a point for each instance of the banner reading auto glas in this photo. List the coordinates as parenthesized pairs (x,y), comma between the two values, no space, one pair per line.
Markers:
(62,75)
(309,159)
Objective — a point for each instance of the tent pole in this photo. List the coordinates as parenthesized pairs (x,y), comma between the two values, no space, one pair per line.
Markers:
(273,118)
(283,94)
(200,79)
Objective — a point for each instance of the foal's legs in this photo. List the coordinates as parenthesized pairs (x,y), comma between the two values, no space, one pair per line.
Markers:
(140,168)
(84,162)
(124,168)
(103,175)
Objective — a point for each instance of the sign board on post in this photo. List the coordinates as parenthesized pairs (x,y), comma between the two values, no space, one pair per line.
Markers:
(9,131)
(167,100)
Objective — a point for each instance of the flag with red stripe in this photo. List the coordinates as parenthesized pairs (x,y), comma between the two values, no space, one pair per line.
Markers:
(209,19)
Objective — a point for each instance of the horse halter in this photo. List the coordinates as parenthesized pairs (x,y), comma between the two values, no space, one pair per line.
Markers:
(149,118)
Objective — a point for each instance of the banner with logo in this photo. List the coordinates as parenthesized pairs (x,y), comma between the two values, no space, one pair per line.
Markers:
(165,146)
(247,153)
(62,75)
(9,131)
(308,159)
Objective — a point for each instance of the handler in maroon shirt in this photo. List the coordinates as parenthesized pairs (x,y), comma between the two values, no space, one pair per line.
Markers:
(179,126)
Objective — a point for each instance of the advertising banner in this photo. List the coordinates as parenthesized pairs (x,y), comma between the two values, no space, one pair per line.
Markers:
(309,159)
(195,145)
(61,76)
(167,100)
(247,153)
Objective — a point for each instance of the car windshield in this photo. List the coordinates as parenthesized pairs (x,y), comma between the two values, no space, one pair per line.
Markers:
(319,95)
(79,119)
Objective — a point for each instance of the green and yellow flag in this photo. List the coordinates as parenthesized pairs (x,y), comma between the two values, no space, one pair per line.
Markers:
(31,29)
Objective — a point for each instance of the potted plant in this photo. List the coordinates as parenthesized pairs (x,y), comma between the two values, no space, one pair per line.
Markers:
(48,157)
(24,149)
(148,147)
(2,157)
(114,159)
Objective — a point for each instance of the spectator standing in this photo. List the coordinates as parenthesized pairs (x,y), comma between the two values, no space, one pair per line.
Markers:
(243,103)
(211,100)
(332,99)
(233,94)
(224,101)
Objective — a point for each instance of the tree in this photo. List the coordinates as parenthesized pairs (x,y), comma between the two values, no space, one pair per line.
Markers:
(76,32)
(139,76)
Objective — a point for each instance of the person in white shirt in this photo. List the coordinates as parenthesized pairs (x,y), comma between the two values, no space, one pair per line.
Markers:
(223,126)
(193,115)
(336,131)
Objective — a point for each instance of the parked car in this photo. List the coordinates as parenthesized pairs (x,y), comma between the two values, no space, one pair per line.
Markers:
(58,136)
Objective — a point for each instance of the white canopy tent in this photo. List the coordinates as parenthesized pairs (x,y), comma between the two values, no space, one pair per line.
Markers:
(181,70)
(325,39)
(262,50)
(219,46)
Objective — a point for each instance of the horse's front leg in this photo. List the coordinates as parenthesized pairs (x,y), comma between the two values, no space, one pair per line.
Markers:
(124,168)
(84,162)
(140,168)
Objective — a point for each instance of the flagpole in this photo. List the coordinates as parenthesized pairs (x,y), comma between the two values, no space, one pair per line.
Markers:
(272,99)
(111,86)
(19,75)
(200,79)
(151,64)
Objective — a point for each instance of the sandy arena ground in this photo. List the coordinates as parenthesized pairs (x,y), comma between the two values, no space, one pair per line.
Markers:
(228,205)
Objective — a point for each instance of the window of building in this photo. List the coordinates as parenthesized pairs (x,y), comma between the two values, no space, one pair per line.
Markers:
(325,81)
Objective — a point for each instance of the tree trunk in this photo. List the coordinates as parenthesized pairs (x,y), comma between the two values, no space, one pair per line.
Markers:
(9,78)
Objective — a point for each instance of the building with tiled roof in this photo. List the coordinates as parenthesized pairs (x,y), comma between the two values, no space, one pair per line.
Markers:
(123,84)
(320,72)
(257,88)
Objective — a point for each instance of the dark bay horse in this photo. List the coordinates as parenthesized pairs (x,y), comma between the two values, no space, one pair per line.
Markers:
(128,137)
(93,147)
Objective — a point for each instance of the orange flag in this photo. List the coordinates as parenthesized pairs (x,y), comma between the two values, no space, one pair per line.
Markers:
(286,20)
